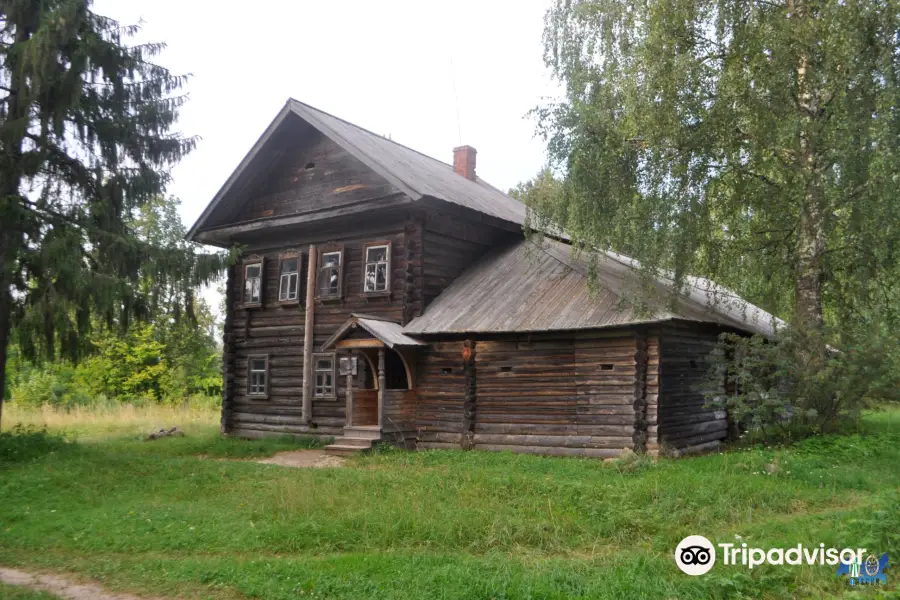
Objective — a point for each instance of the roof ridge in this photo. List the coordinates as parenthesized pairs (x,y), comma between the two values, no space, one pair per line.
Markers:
(369,131)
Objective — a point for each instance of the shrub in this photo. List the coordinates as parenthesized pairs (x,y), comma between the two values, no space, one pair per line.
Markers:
(780,388)
(52,384)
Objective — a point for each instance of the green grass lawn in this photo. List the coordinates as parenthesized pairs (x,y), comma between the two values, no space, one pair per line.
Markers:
(13,592)
(166,518)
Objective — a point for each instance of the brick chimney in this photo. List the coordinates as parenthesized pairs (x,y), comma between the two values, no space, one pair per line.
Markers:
(464,161)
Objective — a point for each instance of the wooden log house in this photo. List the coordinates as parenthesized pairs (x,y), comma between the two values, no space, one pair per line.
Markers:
(386,295)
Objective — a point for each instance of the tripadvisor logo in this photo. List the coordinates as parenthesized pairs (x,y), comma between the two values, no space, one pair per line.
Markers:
(695,555)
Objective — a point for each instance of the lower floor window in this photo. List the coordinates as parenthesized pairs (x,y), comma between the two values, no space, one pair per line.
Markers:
(258,376)
(324,376)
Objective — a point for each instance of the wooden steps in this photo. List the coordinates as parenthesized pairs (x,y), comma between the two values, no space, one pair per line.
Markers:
(358,438)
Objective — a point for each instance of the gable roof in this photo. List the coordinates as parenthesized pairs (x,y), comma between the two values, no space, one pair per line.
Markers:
(387,332)
(530,286)
(415,174)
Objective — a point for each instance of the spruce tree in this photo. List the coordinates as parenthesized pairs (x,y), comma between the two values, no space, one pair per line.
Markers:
(86,139)
(753,142)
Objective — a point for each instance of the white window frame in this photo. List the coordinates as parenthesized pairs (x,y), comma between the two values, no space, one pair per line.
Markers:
(287,299)
(386,262)
(340,273)
(260,283)
(322,391)
(253,389)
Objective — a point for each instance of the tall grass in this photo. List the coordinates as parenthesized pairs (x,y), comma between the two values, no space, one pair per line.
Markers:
(102,419)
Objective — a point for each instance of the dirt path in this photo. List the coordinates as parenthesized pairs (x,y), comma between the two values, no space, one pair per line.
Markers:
(62,587)
(316,459)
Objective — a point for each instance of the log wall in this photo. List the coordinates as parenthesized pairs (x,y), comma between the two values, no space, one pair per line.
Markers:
(277,330)
(562,394)
(451,245)
(399,414)
(685,425)
(441,395)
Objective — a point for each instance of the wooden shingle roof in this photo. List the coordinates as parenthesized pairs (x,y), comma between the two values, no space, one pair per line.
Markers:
(531,286)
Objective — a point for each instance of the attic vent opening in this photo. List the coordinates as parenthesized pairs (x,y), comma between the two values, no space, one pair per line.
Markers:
(505,369)
(309,166)
(447,371)
(693,364)
(606,367)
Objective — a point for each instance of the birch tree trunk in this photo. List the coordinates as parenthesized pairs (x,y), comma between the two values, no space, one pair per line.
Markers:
(811,223)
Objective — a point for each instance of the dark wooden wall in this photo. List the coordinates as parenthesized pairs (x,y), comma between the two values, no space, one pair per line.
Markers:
(441,394)
(685,425)
(563,394)
(399,414)
(451,245)
(335,179)
(278,330)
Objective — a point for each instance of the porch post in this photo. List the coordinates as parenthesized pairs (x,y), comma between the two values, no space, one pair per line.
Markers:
(381,388)
(350,391)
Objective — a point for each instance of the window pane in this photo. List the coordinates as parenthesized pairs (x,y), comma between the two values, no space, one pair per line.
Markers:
(328,281)
(376,253)
(288,288)
(381,277)
(324,275)
(258,364)
(289,265)
(331,259)
(248,290)
(252,271)
(254,290)
(370,278)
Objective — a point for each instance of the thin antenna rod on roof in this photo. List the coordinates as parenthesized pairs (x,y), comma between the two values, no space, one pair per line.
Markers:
(456,95)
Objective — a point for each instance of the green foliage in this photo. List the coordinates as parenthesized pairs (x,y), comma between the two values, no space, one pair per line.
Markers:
(87,141)
(54,384)
(164,357)
(153,517)
(148,363)
(778,391)
(751,142)
(22,444)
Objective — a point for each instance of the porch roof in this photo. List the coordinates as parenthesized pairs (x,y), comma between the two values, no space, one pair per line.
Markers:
(384,330)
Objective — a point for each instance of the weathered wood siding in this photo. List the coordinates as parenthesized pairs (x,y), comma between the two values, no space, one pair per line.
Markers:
(685,425)
(563,394)
(651,394)
(441,394)
(451,245)
(277,330)
(399,414)
(315,173)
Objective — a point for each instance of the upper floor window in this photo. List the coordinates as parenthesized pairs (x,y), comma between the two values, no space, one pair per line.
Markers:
(324,378)
(377,273)
(258,375)
(289,280)
(331,265)
(253,272)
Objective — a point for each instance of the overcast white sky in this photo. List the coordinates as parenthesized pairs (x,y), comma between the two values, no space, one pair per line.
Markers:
(384,65)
